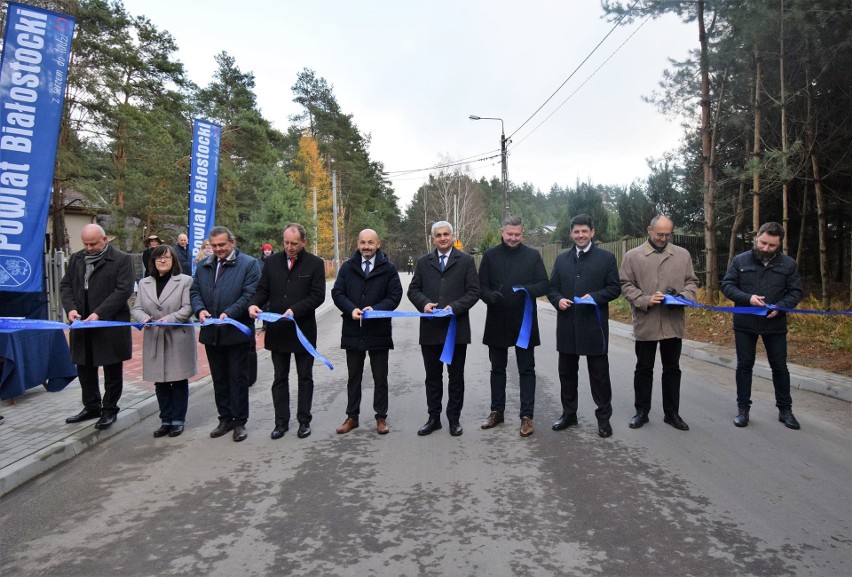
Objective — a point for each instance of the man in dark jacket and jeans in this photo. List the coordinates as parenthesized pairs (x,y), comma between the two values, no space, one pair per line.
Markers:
(759,277)
(223,285)
(367,281)
(507,265)
(584,271)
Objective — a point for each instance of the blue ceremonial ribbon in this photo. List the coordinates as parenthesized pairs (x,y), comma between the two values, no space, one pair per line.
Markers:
(8,325)
(449,341)
(808,312)
(526,324)
(759,311)
(11,324)
(275,317)
(591,301)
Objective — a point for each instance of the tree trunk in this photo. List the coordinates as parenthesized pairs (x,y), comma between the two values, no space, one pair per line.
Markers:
(756,150)
(739,212)
(818,196)
(785,186)
(800,250)
(711,280)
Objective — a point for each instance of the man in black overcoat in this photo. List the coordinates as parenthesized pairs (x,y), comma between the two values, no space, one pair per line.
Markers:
(367,281)
(505,266)
(96,286)
(444,279)
(583,329)
(292,283)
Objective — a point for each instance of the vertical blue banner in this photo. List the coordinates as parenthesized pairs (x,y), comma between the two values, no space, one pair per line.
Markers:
(33,72)
(204,172)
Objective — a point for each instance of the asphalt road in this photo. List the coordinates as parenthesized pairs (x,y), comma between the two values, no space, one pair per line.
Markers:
(716,500)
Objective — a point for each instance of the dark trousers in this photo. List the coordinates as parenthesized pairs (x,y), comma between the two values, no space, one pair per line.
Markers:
(173,398)
(776,354)
(643,377)
(281,387)
(499,357)
(435,381)
(379,368)
(598,365)
(229,368)
(113,385)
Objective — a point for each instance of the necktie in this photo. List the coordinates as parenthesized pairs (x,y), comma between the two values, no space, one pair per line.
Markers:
(290,262)
(219,268)
(366,268)
(443,256)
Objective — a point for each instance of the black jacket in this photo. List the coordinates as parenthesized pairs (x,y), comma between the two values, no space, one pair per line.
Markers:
(778,282)
(381,290)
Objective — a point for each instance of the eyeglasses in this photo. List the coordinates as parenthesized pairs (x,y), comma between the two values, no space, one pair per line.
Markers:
(663,234)
(164,259)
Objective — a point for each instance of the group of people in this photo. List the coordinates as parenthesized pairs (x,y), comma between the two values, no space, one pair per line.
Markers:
(229,284)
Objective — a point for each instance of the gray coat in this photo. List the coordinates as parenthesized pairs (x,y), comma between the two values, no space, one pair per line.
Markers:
(168,353)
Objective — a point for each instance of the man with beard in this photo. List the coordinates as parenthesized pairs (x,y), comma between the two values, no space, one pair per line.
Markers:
(759,277)
(648,273)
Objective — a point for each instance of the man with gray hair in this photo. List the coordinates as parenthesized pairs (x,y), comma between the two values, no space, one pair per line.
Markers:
(444,279)
(96,286)
(224,282)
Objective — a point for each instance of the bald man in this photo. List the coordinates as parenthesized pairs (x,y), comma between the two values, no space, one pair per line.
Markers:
(367,281)
(184,254)
(96,286)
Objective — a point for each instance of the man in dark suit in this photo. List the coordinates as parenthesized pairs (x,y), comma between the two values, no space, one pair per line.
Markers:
(507,265)
(221,289)
(96,286)
(292,283)
(444,279)
(184,254)
(367,281)
(584,271)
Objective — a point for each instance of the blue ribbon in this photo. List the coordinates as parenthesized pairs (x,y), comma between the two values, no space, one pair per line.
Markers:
(275,317)
(759,311)
(526,324)
(449,341)
(591,301)
(10,324)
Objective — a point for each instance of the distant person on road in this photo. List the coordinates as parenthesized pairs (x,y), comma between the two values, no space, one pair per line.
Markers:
(292,283)
(759,277)
(184,254)
(410,265)
(648,273)
(265,252)
(203,252)
(96,286)
(169,354)
(152,242)
(505,266)
(445,278)
(367,281)
(583,330)
(222,287)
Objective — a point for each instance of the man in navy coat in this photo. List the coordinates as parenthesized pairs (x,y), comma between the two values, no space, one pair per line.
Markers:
(583,329)
(444,279)
(367,281)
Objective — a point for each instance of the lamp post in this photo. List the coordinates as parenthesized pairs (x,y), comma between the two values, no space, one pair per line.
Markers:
(503,165)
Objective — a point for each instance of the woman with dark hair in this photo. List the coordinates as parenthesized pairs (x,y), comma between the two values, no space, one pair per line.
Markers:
(169,354)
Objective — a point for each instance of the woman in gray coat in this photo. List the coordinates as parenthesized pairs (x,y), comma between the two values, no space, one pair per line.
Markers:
(169,354)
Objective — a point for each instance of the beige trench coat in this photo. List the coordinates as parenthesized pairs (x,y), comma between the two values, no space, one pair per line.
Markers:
(168,353)
(645,271)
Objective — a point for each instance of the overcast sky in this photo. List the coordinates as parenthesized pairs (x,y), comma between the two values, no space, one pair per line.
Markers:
(412,72)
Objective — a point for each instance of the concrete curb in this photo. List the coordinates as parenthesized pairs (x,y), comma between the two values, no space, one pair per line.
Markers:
(803,378)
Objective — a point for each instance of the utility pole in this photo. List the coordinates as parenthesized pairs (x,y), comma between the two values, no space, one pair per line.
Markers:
(316,224)
(334,222)
(505,172)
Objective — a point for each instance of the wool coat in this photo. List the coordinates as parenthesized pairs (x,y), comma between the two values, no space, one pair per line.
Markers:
(457,286)
(110,287)
(579,331)
(300,289)
(168,353)
(380,290)
(501,269)
(645,271)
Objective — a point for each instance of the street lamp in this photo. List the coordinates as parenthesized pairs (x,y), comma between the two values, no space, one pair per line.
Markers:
(503,164)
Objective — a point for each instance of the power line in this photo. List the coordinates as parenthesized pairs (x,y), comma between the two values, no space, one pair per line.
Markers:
(445,165)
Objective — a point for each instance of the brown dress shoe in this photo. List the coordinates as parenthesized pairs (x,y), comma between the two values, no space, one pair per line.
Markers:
(493,420)
(347,425)
(382,427)
(526,427)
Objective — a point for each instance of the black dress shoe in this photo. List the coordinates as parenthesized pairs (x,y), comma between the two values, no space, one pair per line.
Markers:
(162,431)
(456,429)
(564,422)
(240,433)
(304,430)
(84,415)
(222,428)
(604,429)
(106,421)
(675,421)
(741,420)
(278,431)
(789,420)
(431,425)
(639,419)
(176,431)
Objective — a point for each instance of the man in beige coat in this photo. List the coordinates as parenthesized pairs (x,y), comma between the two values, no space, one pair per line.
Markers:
(648,273)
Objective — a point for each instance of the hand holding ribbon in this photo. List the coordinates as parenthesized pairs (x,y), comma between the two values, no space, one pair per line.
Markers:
(449,341)
(275,317)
